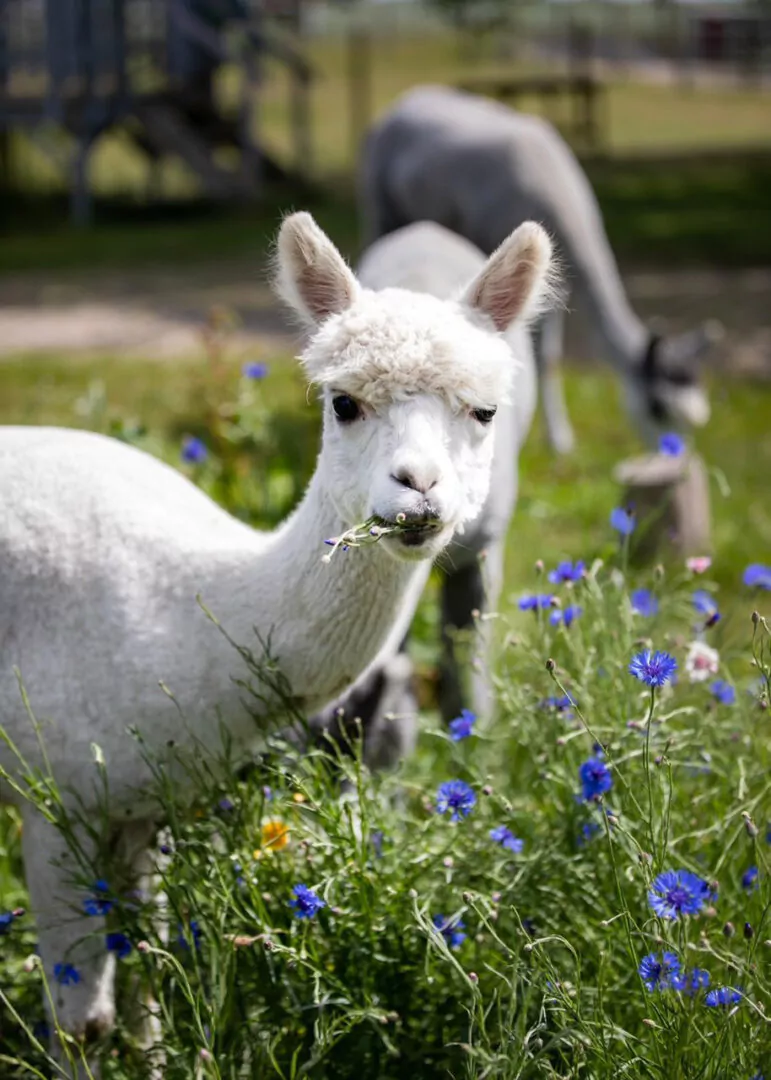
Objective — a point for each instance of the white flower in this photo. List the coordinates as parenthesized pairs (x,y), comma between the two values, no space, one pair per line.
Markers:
(701,662)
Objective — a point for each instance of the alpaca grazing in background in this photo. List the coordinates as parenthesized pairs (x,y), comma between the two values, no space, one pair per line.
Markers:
(105,549)
(479,168)
(426,258)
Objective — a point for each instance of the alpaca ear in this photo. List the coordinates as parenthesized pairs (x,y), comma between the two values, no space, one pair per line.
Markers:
(517,280)
(311,274)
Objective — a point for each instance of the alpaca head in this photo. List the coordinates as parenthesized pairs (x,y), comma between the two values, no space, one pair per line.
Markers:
(410,383)
(665,391)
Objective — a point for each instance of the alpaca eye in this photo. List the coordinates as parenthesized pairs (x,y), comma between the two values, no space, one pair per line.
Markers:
(484,416)
(346,409)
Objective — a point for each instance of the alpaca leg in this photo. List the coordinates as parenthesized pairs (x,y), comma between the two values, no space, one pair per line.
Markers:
(384,703)
(82,994)
(135,849)
(465,668)
(549,339)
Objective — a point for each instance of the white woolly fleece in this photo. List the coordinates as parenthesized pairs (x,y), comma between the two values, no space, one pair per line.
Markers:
(389,343)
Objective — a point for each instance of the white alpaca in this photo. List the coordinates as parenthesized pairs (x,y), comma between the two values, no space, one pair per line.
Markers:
(426,258)
(103,551)
(479,168)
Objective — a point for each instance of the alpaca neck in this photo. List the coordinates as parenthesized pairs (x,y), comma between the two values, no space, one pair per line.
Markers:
(620,334)
(325,621)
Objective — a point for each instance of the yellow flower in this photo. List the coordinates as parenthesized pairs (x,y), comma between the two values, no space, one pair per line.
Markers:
(298,797)
(275,835)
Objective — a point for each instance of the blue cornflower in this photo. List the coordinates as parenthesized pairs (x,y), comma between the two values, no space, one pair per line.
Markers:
(658,970)
(195,935)
(254,369)
(671,444)
(306,902)
(462,726)
(534,602)
(565,615)
(194,450)
(451,930)
(6,918)
(567,571)
(644,603)
(119,944)
(757,576)
(623,521)
(653,668)
(595,778)
(376,838)
(704,602)
(100,903)
(723,691)
(690,982)
(66,974)
(563,703)
(723,995)
(678,892)
(506,838)
(225,804)
(455,795)
(588,830)
(750,879)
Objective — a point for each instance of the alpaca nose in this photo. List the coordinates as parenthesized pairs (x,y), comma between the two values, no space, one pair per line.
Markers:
(422,481)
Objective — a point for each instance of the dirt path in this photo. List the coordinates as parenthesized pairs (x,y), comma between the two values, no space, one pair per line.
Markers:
(158,314)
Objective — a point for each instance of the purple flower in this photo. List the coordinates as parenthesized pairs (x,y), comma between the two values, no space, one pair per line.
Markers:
(644,603)
(119,944)
(254,370)
(723,995)
(306,902)
(100,903)
(225,804)
(506,838)
(671,444)
(690,982)
(757,576)
(595,778)
(678,892)
(66,974)
(462,726)
(653,668)
(376,838)
(567,571)
(723,692)
(450,929)
(750,879)
(658,970)
(565,615)
(457,796)
(194,450)
(704,602)
(623,521)
(534,602)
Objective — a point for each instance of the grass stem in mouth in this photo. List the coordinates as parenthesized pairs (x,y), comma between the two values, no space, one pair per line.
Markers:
(370,532)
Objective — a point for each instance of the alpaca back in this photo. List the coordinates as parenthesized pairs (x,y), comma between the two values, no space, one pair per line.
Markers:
(480,168)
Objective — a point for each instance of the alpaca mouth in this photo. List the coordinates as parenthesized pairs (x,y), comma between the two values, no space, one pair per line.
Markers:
(413,531)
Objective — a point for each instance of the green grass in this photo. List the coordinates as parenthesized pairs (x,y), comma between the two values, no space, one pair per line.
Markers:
(544,984)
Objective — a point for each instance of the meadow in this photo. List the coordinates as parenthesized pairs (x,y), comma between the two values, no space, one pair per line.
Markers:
(590,897)
(511,942)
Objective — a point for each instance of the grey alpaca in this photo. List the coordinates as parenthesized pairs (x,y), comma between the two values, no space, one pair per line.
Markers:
(479,168)
(427,258)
